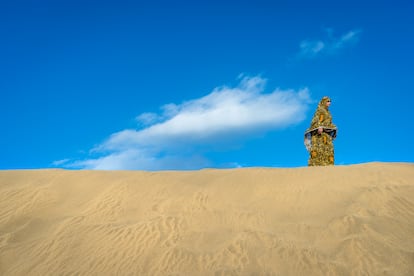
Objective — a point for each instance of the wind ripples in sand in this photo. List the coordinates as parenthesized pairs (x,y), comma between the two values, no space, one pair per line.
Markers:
(344,220)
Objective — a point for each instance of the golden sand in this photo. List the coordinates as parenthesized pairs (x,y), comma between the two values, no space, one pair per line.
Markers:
(342,220)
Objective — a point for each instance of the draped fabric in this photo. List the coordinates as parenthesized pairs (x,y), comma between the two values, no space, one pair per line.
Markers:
(320,145)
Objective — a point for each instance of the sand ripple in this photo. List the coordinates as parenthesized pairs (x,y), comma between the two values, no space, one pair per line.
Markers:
(343,220)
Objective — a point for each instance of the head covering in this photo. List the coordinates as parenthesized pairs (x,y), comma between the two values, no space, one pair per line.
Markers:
(322,116)
(323,101)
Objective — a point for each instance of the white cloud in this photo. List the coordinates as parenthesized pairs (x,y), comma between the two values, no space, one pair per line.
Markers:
(178,136)
(330,45)
(311,48)
(349,38)
(147,118)
(60,162)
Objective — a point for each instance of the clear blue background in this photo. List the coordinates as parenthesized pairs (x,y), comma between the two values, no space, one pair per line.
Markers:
(74,72)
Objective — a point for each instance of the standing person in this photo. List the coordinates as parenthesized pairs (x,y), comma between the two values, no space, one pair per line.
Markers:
(320,135)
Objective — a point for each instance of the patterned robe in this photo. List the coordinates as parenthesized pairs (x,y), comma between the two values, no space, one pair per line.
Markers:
(322,150)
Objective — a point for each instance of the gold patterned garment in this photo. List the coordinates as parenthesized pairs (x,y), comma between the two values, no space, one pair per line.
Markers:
(320,145)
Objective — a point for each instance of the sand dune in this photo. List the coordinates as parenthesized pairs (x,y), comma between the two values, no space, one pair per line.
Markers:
(342,220)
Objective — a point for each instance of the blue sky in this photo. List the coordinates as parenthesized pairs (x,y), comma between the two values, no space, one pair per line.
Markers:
(157,85)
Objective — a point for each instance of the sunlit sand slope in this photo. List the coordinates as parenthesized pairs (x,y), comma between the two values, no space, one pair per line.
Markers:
(342,220)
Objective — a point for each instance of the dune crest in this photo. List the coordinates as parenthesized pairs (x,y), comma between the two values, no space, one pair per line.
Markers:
(341,220)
